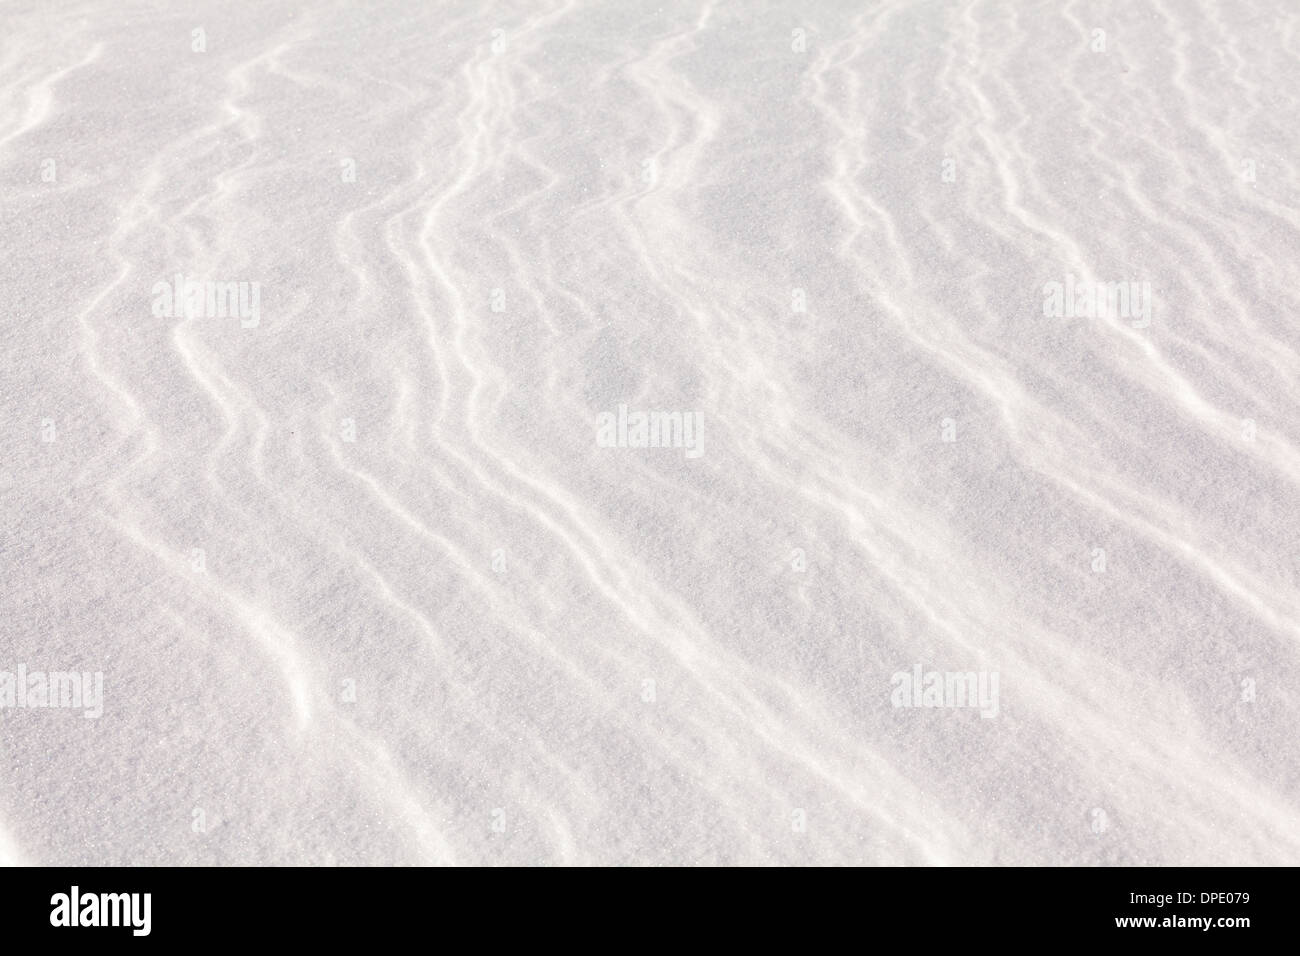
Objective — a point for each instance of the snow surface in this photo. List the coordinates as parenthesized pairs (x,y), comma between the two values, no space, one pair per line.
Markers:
(473,634)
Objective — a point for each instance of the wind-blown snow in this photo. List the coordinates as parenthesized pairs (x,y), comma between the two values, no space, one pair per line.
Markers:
(363,584)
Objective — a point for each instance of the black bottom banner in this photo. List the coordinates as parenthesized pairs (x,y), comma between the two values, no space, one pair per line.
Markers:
(1173,906)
